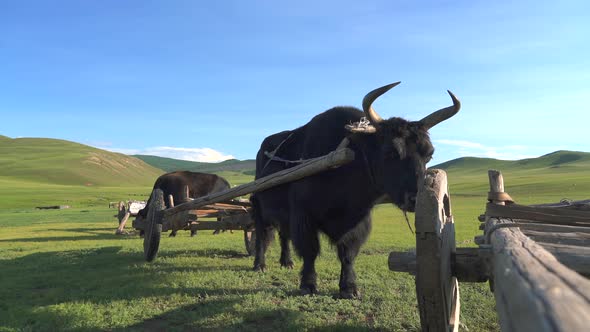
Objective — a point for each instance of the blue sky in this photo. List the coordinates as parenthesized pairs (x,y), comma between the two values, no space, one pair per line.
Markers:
(207,80)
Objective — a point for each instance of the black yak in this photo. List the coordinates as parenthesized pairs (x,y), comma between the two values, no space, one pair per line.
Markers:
(174,183)
(390,159)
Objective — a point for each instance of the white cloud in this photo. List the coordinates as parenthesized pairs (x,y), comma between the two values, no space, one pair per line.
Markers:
(206,155)
(463,144)
(473,149)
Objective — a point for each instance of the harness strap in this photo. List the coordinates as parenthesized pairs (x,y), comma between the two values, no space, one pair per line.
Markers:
(271,155)
(275,158)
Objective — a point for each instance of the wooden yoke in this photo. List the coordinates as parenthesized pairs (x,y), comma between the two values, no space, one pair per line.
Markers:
(310,167)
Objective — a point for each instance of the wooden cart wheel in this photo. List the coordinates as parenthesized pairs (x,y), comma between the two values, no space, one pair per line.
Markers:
(436,288)
(153,225)
(250,241)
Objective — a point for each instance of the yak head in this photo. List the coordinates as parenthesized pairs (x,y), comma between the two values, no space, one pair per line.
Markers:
(401,149)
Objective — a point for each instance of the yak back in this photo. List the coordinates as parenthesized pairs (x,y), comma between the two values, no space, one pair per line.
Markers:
(199,184)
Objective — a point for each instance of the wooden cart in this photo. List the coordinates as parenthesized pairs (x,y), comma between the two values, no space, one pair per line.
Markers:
(126,210)
(228,215)
(232,214)
(534,257)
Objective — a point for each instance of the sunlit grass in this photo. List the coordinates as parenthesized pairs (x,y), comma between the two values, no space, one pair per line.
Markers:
(67,270)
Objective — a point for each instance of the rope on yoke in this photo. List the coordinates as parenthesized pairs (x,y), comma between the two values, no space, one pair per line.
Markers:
(500,196)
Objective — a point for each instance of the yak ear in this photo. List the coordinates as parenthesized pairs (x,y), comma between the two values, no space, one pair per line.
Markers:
(400,147)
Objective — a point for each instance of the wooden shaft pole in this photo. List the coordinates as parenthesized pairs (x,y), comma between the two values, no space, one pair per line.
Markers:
(123,222)
(313,166)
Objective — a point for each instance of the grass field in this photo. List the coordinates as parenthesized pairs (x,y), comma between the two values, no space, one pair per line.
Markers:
(66,270)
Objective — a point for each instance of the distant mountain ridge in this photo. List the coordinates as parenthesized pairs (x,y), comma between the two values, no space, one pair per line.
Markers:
(247,167)
(557,159)
(63,162)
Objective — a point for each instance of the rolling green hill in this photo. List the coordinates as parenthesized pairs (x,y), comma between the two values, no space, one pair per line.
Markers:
(169,165)
(561,174)
(53,161)
(557,159)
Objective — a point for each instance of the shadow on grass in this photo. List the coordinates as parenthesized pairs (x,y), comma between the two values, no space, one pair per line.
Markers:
(93,234)
(210,252)
(99,237)
(33,283)
(178,319)
(41,291)
(279,319)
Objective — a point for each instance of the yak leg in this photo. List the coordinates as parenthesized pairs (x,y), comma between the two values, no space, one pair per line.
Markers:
(307,244)
(308,285)
(285,260)
(264,234)
(263,239)
(348,248)
(347,255)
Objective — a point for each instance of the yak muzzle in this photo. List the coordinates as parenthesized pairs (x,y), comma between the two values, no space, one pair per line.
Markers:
(409,202)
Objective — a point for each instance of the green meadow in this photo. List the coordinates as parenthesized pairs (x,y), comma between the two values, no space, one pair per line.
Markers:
(66,270)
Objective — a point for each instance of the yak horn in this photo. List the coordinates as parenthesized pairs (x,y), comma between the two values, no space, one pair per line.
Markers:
(442,114)
(370,98)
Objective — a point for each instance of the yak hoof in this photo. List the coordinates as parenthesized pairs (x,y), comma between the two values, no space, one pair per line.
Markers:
(173,234)
(308,290)
(259,267)
(193,234)
(349,294)
(288,264)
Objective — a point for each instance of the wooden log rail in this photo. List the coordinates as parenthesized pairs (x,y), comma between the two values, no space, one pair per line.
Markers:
(530,259)
(534,291)
(554,215)
(467,264)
